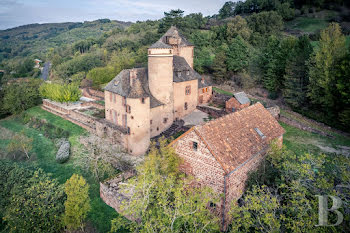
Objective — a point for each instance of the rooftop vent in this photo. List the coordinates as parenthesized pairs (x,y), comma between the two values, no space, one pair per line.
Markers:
(260,133)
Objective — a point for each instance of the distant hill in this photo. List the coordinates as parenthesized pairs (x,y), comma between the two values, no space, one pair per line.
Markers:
(35,39)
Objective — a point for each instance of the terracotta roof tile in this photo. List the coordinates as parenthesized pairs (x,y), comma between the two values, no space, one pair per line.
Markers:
(233,139)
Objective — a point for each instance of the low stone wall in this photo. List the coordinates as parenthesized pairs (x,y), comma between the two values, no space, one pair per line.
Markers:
(111,194)
(93,104)
(213,112)
(93,94)
(275,111)
(219,99)
(112,133)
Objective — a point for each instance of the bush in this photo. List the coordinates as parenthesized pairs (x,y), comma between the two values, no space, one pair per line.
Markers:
(50,131)
(60,93)
(63,152)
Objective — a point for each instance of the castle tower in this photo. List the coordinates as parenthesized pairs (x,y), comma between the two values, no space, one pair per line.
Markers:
(160,76)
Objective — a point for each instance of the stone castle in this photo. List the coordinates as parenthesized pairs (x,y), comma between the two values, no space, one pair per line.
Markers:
(144,102)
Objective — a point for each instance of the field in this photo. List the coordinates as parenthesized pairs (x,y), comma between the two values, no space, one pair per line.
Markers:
(45,151)
(306,24)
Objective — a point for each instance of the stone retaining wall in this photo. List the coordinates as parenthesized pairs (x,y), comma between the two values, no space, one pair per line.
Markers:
(100,127)
(111,194)
(93,94)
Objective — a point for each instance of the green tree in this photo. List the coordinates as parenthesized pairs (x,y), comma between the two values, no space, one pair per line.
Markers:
(60,92)
(238,27)
(35,205)
(21,95)
(296,74)
(273,62)
(77,204)
(20,142)
(171,18)
(101,75)
(265,23)
(227,10)
(259,212)
(331,50)
(162,199)
(219,64)
(237,55)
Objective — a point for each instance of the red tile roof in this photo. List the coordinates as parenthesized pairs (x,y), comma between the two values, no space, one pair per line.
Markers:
(234,138)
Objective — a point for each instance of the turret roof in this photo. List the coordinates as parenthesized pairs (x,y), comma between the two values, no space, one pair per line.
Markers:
(174,33)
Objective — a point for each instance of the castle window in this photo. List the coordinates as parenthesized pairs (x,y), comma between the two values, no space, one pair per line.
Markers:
(157,128)
(128,109)
(203,90)
(114,97)
(143,100)
(124,101)
(188,90)
(195,146)
(206,89)
(185,106)
(128,131)
(110,96)
(149,51)
(150,122)
(165,120)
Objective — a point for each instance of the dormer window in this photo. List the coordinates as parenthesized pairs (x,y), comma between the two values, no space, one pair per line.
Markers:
(260,133)
(179,74)
(187,72)
(116,82)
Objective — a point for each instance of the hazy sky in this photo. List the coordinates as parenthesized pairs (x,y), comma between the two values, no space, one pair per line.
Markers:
(19,12)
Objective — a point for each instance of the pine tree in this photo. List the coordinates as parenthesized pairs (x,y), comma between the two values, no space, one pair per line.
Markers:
(296,77)
(78,202)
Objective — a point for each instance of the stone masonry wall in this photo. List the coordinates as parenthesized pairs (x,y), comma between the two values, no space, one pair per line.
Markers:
(200,163)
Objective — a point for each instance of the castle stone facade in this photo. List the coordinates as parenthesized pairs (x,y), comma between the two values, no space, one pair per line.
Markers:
(146,101)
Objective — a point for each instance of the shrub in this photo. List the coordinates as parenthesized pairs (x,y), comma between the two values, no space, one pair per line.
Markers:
(60,93)
(63,152)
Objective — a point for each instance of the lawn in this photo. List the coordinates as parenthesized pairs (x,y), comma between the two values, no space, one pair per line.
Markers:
(306,24)
(300,141)
(44,149)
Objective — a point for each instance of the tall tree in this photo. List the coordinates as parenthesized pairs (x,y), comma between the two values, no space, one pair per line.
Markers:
(171,18)
(296,74)
(35,205)
(77,204)
(237,55)
(331,49)
(21,95)
(162,199)
(238,27)
(227,10)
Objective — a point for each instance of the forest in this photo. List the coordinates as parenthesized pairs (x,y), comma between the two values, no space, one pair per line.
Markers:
(296,51)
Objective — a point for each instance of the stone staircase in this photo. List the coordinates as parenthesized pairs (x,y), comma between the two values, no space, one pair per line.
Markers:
(173,129)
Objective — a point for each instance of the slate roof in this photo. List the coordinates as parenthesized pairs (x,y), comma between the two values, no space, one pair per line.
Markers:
(203,83)
(183,71)
(172,32)
(242,97)
(139,89)
(233,139)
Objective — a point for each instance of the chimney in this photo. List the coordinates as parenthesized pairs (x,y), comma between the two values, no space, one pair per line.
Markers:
(133,74)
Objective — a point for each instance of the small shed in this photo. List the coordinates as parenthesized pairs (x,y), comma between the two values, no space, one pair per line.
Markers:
(239,101)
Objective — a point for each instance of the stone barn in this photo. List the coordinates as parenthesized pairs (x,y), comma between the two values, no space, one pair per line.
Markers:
(238,102)
(221,153)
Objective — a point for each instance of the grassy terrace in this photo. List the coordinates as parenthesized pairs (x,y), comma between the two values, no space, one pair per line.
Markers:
(45,151)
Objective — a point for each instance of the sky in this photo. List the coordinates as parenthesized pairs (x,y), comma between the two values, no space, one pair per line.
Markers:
(20,12)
